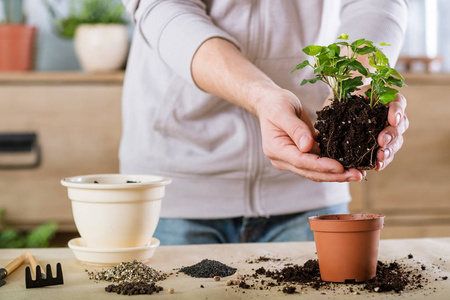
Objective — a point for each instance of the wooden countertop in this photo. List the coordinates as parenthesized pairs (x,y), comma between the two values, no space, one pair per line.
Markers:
(433,253)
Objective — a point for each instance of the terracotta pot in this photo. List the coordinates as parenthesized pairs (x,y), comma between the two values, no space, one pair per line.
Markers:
(16,47)
(347,246)
(101,47)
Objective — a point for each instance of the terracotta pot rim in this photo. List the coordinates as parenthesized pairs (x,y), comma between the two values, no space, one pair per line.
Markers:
(346,222)
(346,217)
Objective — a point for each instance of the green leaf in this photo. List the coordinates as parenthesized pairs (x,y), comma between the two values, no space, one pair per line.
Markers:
(342,43)
(324,58)
(351,84)
(329,71)
(396,73)
(335,48)
(394,81)
(365,50)
(343,37)
(381,58)
(301,66)
(357,66)
(312,50)
(358,43)
(379,89)
(312,80)
(384,44)
(386,98)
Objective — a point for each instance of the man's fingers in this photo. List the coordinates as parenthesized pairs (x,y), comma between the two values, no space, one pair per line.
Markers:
(289,154)
(391,133)
(397,110)
(348,175)
(389,151)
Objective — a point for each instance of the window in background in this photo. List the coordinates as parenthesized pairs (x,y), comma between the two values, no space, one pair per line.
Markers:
(426,48)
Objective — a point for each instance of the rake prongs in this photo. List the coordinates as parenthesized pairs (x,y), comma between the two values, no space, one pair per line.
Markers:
(40,280)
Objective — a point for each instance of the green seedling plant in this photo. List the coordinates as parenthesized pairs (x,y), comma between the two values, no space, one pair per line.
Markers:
(338,71)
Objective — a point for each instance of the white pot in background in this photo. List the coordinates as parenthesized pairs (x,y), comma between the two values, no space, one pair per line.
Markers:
(101,47)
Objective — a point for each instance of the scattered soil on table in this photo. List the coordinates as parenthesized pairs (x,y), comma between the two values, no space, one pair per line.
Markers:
(208,268)
(262,259)
(348,132)
(393,277)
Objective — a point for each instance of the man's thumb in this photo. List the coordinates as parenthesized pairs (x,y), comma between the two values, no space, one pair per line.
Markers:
(306,143)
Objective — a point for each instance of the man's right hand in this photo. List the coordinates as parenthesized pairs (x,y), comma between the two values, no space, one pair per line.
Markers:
(288,138)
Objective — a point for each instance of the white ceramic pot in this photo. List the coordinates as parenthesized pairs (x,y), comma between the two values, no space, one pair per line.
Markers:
(101,47)
(111,213)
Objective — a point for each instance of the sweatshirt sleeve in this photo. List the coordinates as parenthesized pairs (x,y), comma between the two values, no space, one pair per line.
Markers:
(175,29)
(377,21)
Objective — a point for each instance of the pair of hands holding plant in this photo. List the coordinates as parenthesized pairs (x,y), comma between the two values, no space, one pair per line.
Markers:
(288,136)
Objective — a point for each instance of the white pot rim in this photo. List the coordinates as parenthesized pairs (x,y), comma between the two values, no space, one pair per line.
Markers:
(115,181)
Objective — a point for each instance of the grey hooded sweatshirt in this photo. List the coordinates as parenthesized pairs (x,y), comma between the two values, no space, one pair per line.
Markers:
(210,147)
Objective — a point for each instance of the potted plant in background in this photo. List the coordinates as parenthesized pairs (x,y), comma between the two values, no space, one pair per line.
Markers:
(16,39)
(99,31)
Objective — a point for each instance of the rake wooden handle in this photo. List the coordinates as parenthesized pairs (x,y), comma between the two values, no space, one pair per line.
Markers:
(33,264)
(15,263)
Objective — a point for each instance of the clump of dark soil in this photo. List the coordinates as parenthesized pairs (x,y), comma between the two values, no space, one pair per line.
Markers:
(392,277)
(289,289)
(348,131)
(134,288)
(208,268)
(309,274)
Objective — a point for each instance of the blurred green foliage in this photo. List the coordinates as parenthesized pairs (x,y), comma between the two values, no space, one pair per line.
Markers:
(39,237)
(88,12)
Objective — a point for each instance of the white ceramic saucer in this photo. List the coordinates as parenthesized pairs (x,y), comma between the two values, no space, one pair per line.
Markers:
(105,256)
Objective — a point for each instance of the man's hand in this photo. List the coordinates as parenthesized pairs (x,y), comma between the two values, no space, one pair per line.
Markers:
(391,138)
(288,139)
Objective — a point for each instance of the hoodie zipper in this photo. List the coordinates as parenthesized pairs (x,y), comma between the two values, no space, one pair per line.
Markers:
(255,159)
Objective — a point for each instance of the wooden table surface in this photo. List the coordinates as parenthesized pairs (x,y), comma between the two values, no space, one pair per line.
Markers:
(434,253)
